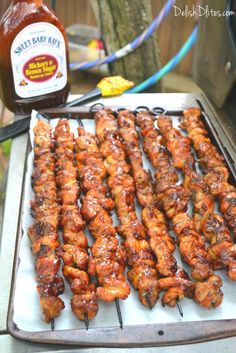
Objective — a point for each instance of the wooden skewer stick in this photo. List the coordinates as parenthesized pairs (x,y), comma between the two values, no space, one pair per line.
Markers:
(86,321)
(148,299)
(52,324)
(179,307)
(119,313)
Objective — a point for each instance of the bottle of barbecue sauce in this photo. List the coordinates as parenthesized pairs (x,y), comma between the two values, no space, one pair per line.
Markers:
(33,57)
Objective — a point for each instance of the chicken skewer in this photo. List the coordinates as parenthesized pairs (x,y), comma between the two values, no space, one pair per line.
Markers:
(221,249)
(108,257)
(211,225)
(43,233)
(213,165)
(75,249)
(161,243)
(179,147)
(174,202)
(183,159)
(142,273)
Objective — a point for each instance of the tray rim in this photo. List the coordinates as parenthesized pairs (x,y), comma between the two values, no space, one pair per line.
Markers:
(147,335)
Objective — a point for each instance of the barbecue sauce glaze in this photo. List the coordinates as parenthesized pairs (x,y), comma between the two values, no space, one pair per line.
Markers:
(33,57)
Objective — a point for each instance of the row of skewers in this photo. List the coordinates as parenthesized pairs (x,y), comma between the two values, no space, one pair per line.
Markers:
(45,209)
(105,172)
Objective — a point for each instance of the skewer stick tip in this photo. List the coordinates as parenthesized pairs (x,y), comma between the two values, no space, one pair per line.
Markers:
(119,313)
(86,321)
(179,307)
(52,324)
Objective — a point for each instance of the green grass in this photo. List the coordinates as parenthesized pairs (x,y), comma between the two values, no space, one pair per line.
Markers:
(6,147)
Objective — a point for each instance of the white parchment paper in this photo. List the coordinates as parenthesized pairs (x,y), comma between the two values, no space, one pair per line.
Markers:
(27,312)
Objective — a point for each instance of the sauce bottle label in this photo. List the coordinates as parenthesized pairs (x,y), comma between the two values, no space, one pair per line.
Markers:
(38,58)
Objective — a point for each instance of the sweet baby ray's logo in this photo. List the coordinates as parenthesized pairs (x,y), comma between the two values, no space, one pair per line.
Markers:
(40,68)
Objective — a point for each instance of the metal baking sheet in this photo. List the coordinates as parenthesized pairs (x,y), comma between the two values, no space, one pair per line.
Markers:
(142,327)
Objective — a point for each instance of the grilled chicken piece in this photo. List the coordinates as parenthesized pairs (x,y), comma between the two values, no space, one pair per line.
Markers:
(47,265)
(208,154)
(50,302)
(46,212)
(45,163)
(102,226)
(74,256)
(52,288)
(68,193)
(166,263)
(222,250)
(203,201)
(63,156)
(192,247)
(94,202)
(66,176)
(193,252)
(63,136)
(85,303)
(155,222)
(105,124)
(228,208)
(86,142)
(175,200)
(177,144)
(130,138)
(162,244)
(113,147)
(132,227)
(215,229)
(138,252)
(208,293)
(115,287)
(44,245)
(84,299)
(51,306)
(43,135)
(181,222)
(144,186)
(109,264)
(144,279)
(46,191)
(79,239)
(41,229)
(177,287)
(217,180)
(71,219)
(89,161)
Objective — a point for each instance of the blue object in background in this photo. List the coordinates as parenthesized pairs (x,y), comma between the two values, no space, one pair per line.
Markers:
(169,66)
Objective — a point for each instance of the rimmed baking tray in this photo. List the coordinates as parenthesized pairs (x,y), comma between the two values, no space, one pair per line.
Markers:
(159,327)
